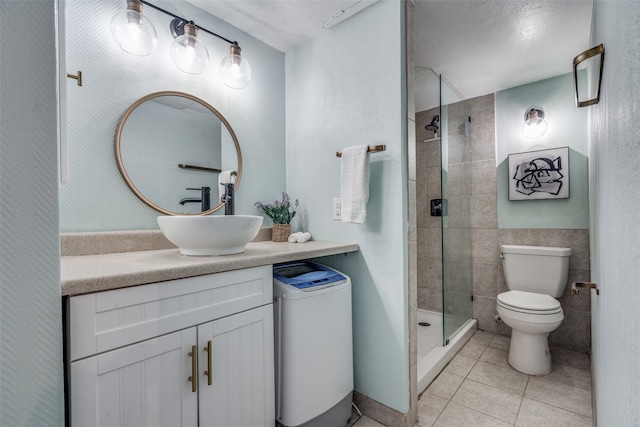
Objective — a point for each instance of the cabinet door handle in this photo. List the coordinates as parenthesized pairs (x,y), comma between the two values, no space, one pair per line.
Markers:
(194,368)
(209,371)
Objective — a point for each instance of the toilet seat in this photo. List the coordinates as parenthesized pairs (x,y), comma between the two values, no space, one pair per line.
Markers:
(529,303)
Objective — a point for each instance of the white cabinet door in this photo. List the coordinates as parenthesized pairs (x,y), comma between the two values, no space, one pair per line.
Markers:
(141,385)
(242,381)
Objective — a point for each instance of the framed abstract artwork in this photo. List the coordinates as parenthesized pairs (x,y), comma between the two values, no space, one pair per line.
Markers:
(538,175)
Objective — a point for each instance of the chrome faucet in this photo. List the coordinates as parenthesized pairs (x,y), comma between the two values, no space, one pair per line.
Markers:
(204,200)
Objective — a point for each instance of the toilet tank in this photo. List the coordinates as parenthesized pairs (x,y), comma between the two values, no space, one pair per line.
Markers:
(539,269)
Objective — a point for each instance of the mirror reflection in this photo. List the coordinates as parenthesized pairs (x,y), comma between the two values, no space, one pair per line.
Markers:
(175,150)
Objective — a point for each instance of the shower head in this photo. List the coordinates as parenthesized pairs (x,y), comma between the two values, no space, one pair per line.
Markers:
(433,126)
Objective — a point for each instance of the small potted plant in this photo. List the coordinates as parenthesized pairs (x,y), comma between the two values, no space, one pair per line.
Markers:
(281,213)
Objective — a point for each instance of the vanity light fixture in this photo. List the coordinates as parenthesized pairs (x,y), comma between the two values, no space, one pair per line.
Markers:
(132,31)
(187,51)
(534,125)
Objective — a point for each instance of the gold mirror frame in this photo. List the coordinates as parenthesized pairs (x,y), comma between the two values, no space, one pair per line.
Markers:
(120,161)
(590,53)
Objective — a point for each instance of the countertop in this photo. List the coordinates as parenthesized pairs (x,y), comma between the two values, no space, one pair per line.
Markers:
(95,273)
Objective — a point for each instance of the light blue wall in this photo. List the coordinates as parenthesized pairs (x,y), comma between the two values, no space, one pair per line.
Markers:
(567,127)
(96,197)
(31,371)
(344,88)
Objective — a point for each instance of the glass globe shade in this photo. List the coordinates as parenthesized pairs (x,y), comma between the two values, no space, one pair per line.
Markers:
(534,125)
(133,32)
(235,70)
(188,53)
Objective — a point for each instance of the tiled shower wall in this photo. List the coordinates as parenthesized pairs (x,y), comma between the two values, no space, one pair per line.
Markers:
(472,187)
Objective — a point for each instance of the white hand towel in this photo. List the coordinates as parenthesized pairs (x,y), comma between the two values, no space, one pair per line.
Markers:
(354,184)
(225,177)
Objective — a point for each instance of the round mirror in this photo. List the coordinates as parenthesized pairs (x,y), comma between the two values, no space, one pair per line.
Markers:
(174,150)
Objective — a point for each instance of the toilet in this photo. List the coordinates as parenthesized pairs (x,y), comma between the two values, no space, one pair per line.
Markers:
(535,276)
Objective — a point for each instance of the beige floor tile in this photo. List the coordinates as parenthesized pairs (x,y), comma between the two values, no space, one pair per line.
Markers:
(560,395)
(537,414)
(507,379)
(460,365)
(501,342)
(430,407)
(489,400)
(367,422)
(570,358)
(482,338)
(445,385)
(459,416)
(570,376)
(472,350)
(496,356)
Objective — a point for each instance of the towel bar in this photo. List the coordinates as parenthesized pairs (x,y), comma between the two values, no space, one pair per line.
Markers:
(372,149)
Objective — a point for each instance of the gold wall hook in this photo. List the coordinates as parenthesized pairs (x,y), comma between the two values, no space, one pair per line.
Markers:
(77,77)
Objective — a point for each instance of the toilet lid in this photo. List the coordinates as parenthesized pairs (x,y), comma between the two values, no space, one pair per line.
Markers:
(529,301)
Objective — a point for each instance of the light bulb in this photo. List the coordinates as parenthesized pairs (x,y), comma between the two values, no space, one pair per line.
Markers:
(132,31)
(188,53)
(534,125)
(235,70)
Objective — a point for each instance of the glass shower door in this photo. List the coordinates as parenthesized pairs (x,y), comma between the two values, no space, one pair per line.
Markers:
(456,181)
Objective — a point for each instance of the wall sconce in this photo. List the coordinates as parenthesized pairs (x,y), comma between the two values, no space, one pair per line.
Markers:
(135,35)
(534,125)
(590,87)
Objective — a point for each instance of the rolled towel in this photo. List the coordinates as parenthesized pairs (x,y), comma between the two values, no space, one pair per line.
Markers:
(299,237)
(293,238)
(303,237)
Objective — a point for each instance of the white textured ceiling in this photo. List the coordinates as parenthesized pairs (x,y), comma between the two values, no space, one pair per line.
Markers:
(283,24)
(483,46)
(480,46)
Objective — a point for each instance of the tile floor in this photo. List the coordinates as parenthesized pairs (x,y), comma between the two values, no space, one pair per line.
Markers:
(479,388)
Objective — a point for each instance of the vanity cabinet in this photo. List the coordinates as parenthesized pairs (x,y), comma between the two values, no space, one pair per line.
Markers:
(188,352)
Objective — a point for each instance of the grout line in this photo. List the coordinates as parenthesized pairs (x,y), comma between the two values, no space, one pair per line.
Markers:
(522,400)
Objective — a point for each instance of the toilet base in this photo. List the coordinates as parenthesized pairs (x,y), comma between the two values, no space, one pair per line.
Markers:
(530,353)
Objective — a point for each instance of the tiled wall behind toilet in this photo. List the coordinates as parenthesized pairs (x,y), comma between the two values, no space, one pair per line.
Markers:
(473,159)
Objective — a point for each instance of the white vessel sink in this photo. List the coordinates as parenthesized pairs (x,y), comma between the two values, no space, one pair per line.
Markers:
(210,235)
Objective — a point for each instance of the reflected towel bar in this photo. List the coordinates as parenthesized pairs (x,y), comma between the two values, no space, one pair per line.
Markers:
(372,149)
(198,168)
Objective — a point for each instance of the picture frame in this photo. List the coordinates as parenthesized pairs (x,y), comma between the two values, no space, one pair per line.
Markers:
(539,175)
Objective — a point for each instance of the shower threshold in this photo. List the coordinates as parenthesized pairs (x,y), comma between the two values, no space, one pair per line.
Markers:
(430,365)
